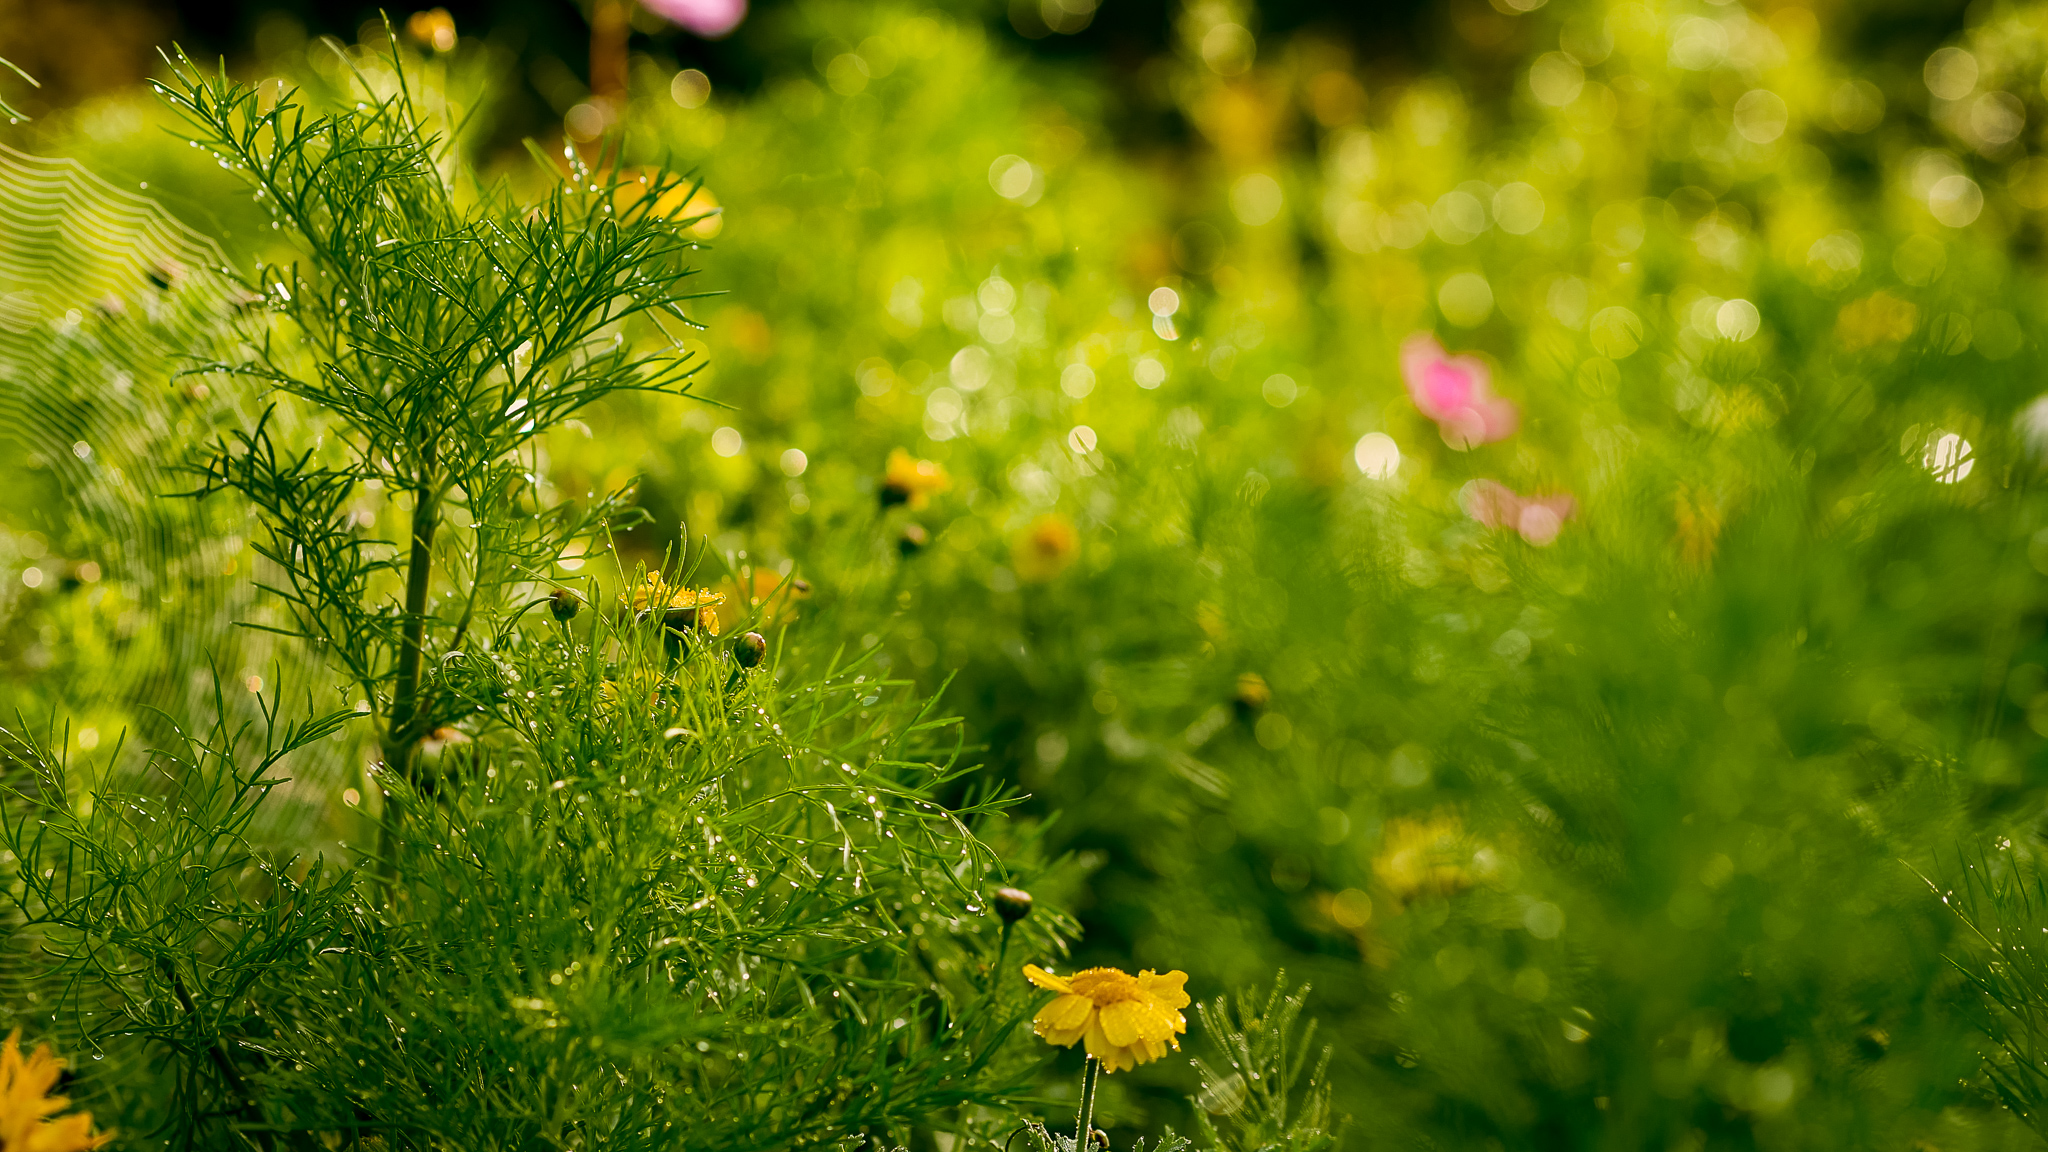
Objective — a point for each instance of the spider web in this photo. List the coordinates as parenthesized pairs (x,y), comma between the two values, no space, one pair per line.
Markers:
(104,298)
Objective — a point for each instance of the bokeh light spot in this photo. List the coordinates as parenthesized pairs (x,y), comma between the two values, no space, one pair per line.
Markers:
(1556,79)
(1616,332)
(1951,73)
(1955,200)
(1949,458)
(1256,199)
(1761,116)
(1737,320)
(1518,208)
(1228,49)
(1377,456)
(1077,380)
(1014,178)
(1466,299)
(690,88)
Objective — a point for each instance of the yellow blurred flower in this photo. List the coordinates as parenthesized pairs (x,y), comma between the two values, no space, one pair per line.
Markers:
(1879,318)
(766,593)
(908,480)
(1699,524)
(1424,857)
(677,198)
(1045,549)
(26,1104)
(1126,1020)
(434,28)
(680,607)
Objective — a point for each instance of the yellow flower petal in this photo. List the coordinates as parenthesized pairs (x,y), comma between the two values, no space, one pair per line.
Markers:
(1064,1020)
(1169,989)
(1047,980)
(1129,1021)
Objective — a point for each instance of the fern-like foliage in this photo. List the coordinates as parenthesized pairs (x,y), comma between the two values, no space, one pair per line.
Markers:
(437,327)
(1254,1096)
(1042,1139)
(2002,898)
(6,109)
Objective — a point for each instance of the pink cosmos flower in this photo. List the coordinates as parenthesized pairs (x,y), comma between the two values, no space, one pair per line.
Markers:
(710,19)
(1457,393)
(1537,518)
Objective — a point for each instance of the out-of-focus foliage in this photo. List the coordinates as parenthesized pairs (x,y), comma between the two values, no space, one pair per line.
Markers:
(1605,843)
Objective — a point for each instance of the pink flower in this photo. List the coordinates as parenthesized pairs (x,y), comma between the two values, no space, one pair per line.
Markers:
(1457,393)
(1537,518)
(710,19)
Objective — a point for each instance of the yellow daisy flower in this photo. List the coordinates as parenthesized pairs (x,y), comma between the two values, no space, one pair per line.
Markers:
(1126,1020)
(25,1103)
(908,480)
(681,608)
(1045,549)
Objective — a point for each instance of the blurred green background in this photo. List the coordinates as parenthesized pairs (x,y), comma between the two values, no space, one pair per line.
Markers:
(1620,841)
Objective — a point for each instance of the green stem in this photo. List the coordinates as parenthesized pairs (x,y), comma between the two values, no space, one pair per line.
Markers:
(1083,1123)
(401,735)
(244,1101)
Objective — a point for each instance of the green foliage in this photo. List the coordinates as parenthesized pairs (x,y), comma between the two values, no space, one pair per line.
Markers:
(439,328)
(1252,1079)
(1042,1140)
(7,109)
(2001,897)
(611,885)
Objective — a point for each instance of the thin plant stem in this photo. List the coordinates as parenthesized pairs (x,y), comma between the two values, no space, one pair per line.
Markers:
(405,701)
(1083,1123)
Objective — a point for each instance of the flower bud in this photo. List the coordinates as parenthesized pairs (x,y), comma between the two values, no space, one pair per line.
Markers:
(749,649)
(1012,904)
(913,539)
(1252,695)
(565,604)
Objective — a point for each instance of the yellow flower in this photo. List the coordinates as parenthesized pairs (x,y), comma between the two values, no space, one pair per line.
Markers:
(676,198)
(1880,318)
(1425,857)
(434,28)
(681,608)
(25,1102)
(908,480)
(766,593)
(1699,525)
(1126,1020)
(1045,549)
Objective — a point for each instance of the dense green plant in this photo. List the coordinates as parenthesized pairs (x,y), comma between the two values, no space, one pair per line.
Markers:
(623,884)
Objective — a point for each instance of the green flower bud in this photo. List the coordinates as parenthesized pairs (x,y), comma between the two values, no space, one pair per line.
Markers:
(750,649)
(565,604)
(913,539)
(1012,904)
